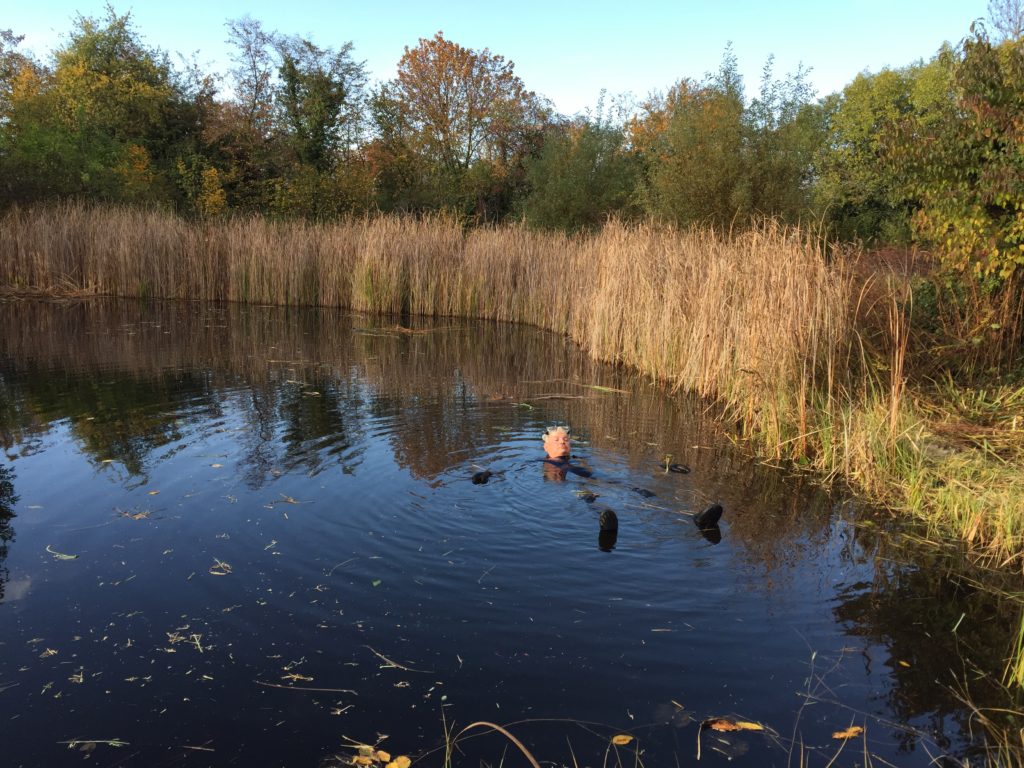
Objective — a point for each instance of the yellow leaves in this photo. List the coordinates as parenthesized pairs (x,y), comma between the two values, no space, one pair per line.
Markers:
(724,724)
(621,739)
(212,199)
(849,733)
(370,756)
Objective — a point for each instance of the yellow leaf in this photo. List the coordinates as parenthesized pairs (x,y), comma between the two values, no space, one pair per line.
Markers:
(904,663)
(383,756)
(402,762)
(849,733)
(621,739)
(745,725)
(362,760)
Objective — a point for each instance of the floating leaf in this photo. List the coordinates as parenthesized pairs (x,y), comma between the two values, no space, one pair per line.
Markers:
(849,733)
(153,493)
(383,756)
(376,582)
(905,664)
(60,555)
(216,466)
(621,739)
(362,760)
(220,568)
(724,724)
(745,725)
(401,762)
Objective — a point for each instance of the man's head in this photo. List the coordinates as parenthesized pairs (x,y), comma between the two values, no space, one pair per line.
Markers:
(556,442)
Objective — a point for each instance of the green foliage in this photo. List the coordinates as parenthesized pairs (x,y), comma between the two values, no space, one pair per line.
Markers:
(696,171)
(783,133)
(319,97)
(859,187)
(98,123)
(963,161)
(582,176)
(713,159)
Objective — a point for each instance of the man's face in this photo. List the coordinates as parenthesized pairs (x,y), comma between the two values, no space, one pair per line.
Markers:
(556,444)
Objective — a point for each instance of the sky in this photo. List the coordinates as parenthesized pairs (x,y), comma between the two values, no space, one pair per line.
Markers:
(566,51)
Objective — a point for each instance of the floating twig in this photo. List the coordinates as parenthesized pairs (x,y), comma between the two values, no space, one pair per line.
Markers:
(396,664)
(304,688)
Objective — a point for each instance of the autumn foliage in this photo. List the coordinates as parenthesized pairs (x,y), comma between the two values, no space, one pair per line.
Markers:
(927,154)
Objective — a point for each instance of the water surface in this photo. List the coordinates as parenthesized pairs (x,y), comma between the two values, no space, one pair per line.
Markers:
(245,535)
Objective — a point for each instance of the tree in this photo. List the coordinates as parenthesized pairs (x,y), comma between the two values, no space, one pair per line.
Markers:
(964,161)
(695,165)
(783,132)
(463,105)
(1007,17)
(319,97)
(583,174)
(105,121)
(13,64)
(252,73)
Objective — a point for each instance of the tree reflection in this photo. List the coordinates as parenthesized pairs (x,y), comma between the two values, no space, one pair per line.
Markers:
(7,501)
(311,391)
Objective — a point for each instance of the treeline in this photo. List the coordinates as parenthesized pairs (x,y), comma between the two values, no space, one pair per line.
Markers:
(930,152)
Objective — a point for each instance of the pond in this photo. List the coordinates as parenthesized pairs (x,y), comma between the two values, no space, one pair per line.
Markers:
(250,536)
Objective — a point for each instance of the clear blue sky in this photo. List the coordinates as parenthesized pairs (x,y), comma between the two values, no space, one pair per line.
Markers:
(567,51)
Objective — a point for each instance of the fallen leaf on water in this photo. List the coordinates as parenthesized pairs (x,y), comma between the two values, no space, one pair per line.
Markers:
(47,653)
(621,739)
(60,555)
(400,762)
(745,725)
(362,760)
(153,493)
(376,582)
(220,568)
(383,756)
(904,663)
(724,724)
(849,733)
(216,466)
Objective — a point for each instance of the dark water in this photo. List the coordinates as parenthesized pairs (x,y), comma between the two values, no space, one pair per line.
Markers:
(277,547)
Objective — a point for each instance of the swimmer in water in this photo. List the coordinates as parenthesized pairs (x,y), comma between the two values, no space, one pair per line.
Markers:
(558,448)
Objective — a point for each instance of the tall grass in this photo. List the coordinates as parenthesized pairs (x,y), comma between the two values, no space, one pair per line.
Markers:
(807,364)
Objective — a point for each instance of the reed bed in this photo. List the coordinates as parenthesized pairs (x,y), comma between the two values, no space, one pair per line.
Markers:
(762,321)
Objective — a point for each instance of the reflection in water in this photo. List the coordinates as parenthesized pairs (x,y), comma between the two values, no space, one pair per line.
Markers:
(337,464)
(7,501)
(606,540)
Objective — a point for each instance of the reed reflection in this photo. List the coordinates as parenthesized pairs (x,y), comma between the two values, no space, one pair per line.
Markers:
(314,390)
